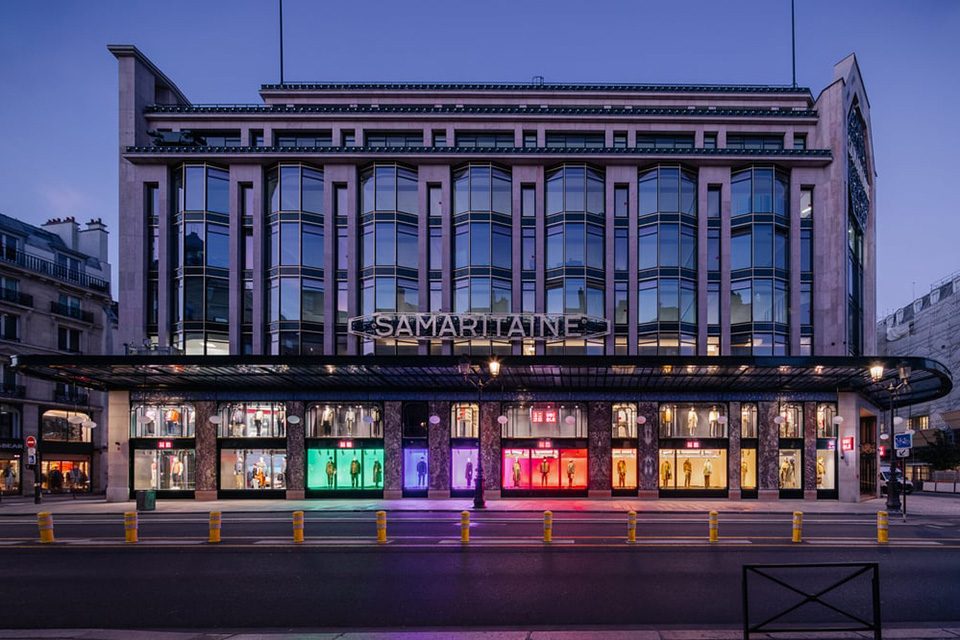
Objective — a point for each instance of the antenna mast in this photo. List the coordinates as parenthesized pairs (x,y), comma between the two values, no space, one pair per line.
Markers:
(281,41)
(793,40)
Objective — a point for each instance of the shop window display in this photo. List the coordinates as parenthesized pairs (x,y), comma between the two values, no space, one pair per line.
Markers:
(464,420)
(164,470)
(826,469)
(344,421)
(162,421)
(56,426)
(826,412)
(9,473)
(253,420)
(790,469)
(693,420)
(66,473)
(625,420)
(344,469)
(791,421)
(545,469)
(415,468)
(693,469)
(253,469)
(624,469)
(748,469)
(545,420)
(748,420)
(463,469)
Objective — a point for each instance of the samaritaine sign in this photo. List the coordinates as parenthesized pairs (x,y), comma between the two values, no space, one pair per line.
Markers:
(464,326)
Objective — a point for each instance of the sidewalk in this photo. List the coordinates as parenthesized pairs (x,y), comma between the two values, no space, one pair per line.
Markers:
(917,505)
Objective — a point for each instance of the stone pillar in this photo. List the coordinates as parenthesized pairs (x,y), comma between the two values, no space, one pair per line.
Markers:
(439,444)
(490,448)
(733,453)
(648,451)
(809,450)
(206,487)
(848,472)
(118,448)
(769,451)
(392,450)
(296,451)
(600,454)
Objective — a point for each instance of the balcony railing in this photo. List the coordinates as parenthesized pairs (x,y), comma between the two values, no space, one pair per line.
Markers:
(71,312)
(53,270)
(14,296)
(12,390)
(70,397)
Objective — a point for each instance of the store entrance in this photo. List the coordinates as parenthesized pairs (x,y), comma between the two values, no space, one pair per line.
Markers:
(868,456)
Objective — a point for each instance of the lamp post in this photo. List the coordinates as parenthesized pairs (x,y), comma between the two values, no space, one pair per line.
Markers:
(893,388)
(479,378)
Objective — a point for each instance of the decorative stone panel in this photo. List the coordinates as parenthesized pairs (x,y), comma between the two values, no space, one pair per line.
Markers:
(392,449)
(810,450)
(769,454)
(206,460)
(648,449)
(733,453)
(439,444)
(490,445)
(599,422)
(296,454)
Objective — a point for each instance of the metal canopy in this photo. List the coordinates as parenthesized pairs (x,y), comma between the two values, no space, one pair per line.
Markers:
(928,378)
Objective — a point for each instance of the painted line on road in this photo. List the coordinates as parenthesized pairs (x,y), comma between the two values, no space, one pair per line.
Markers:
(508,541)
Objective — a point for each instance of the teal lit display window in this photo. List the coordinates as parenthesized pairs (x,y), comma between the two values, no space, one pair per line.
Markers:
(344,469)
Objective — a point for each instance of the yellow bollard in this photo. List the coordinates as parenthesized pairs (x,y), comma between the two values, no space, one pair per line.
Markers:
(381,527)
(298,526)
(45,524)
(798,526)
(548,526)
(714,527)
(883,527)
(215,521)
(631,526)
(464,527)
(130,525)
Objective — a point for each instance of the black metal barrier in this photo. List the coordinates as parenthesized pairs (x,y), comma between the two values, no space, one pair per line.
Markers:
(841,573)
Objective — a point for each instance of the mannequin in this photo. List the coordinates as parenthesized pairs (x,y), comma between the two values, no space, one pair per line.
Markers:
(468,473)
(377,473)
(421,472)
(621,423)
(668,419)
(260,474)
(713,417)
(743,473)
(666,473)
(516,472)
(375,415)
(571,470)
(176,473)
(326,420)
(355,473)
(153,474)
(621,473)
(351,418)
(692,421)
(821,470)
(707,472)
(331,474)
(238,471)
(687,471)
(544,471)
(258,421)
(792,471)
(9,478)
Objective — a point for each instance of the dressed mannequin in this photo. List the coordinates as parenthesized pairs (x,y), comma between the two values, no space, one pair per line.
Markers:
(351,418)
(421,472)
(692,421)
(785,480)
(516,473)
(258,421)
(668,419)
(792,471)
(176,473)
(261,474)
(326,420)
(621,473)
(153,474)
(9,478)
(821,470)
(238,471)
(468,473)
(713,418)
(377,473)
(375,415)
(707,472)
(544,471)
(687,471)
(355,473)
(331,474)
(571,470)
(744,467)
(621,423)
(666,473)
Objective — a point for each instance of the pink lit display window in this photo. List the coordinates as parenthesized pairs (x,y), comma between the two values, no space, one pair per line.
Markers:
(544,469)
(516,468)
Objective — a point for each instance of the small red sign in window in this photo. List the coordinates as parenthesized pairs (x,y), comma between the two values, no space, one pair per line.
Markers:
(847,444)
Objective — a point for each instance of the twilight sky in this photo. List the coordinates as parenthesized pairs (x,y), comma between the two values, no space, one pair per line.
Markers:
(59,83)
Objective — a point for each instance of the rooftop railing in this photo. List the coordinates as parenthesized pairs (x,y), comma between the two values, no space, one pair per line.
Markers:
(53,270)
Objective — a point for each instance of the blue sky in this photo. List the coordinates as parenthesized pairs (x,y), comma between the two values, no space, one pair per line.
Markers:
(59,83)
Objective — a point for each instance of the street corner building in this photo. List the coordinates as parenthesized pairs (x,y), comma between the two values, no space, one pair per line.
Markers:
(383,289)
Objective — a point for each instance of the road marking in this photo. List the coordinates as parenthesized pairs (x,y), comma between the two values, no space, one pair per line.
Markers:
(480,542)
(333,542)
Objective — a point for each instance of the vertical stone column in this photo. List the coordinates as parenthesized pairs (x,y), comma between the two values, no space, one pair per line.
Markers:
(118,458)
(439,444)
(733,453)
(809,450)
(296,451)
(648,451)
(392,450)
(600,454)
(206,487)
(769,451)
(490,448)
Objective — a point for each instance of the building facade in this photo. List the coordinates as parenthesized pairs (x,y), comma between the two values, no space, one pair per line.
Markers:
(678,282)
(54,299)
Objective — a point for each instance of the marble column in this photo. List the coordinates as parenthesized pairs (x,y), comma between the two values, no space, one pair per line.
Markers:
(392,450)
(206,482)
(490,448)
(648,451)
(600,454)
(118,455)
(733,453)
(809,450)
(296,451)
(769,453)
(439,444)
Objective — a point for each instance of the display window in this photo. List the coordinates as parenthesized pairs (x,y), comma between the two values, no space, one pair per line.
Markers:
(344,420)
(791,421)
(65,473)
(545,420)
(693,420)
(464,420)
(624,420)
(463,468)
(415,468)
(253,469)
(344,469)
(253,420)
(827,468)
(10,473)
(748,420)
(748,469)
(164,469)
(548,469)
(689,469)
(57,425)
(516,468)
(791,468)
(826,412)
(624,469)
(162,421)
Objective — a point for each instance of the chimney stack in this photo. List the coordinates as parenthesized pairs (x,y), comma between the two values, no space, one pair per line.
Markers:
(93,241)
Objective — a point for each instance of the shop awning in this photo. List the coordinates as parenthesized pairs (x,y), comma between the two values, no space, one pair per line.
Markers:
(928,379)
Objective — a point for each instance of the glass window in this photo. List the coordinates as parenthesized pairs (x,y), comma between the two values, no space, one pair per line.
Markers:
(555,193)
(407,249)
(713,303)
(345,469)
(65,472)
(502,195)
(827,469)
(620,315)
(780,302)
(748,420)
(748,469)
(574,189)
(740,193)
(688,247)
(528,201)
(290,299)
(693,469)
(252,420)
(791,421)
(61,426)
(544,469)
(647,247)
(806,203)
(194,196)
(713,249)
(545,420)
(624,469)
(312,242)
(164,470)
(574,244)
(9,415)
(253,469)
(669,308)
(693,420)
(386,188)
(781,252)
(10,473)
(463,466)
(344,420)
(621,196)
(647,302)
(762,245)
(528,253)
(415,468)
(791,468)
(713,201)
(762,190)
(624,420)
(669,190)
(312,303)
(669,245)
(826,412)
(290,243)
(806,250)
(595,254)
(464,420)
(648,193)
(312,191)
(763,301)
(385,243)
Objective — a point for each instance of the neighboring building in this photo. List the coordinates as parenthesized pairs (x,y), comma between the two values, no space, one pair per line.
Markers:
(678,280)
(928,327)
(54,299)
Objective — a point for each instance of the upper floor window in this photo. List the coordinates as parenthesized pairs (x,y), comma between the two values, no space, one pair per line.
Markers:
(918,423)
(482,188)
(219,138)
(625,420)
(826,427)
(759,190)
(9,422)
(529,139)
(9,246)
(394,138)
(203,188)
(295,188)
(710,141)
(162,421)
(389,188)
(464,420)
(253,420)
(693,420)
(487,139)
(668,190)
(767,142)
(563,140)
(545,420)
(790,420)
(68,339)
(344,420)
(9,326)
(799,141)
(575,188)
(806,203)
(65,426)
(302,139)
(665,141)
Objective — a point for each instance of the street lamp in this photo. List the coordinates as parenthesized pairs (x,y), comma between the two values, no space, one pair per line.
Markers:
(876,372)
(893,388)
(476,376)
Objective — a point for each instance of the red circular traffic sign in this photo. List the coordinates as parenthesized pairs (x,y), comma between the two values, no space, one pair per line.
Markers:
(31,442)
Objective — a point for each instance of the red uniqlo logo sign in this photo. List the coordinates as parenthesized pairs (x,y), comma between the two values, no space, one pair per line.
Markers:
(693,444)
(847,444)
(345,444)
(550,415)
(536,416)
(164,444)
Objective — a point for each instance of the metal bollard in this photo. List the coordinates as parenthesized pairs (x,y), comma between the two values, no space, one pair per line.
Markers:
(798,526)
(130,525)
(215,520)
(548,526)
(464,527)
(714,527)
(883,527)
(45,524)
(298,526)
(381,527)
(631,526)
